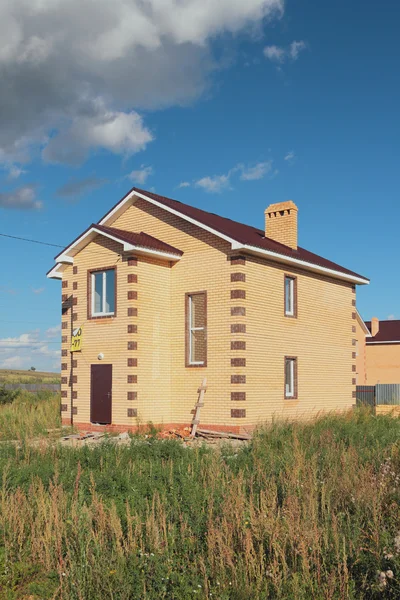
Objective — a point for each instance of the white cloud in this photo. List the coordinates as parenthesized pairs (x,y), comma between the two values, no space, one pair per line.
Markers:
(25,340)
(15,172)
(257,172)
(53,331)
(12,362)
(26,350)
(281,54)
(184,184)
(140,175)
(38,290)
(118,132)
(76,187)
(296,48)
(215,184)
(22,198)
(391,318)
(290,157)
(75,74)
(275,53)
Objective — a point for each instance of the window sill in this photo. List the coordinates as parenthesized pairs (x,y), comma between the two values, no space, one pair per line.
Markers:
(102,318)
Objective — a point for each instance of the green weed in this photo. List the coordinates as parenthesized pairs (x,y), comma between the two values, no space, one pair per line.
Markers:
(305,511)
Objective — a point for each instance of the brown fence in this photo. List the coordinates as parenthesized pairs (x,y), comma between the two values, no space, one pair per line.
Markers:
(381,394)
(366,395)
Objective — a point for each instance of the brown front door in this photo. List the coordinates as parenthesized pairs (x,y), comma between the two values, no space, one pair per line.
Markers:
(100,394)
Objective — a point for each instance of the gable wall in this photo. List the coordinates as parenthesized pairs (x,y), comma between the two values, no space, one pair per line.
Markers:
(321,337)
(360,354)
(204,266)
(382,363)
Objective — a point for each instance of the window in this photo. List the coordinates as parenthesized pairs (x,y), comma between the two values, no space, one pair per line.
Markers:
(290,377)
(290,296)
(103,293)
(196,329)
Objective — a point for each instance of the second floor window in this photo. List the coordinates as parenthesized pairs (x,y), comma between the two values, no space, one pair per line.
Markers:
(103,293)
(196,329)
(290,296)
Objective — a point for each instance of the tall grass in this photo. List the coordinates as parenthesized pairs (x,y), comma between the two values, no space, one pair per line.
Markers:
(306,511)
(19,376)
(29,415)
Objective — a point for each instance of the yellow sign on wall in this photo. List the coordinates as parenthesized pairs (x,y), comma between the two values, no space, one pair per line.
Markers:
(76,342)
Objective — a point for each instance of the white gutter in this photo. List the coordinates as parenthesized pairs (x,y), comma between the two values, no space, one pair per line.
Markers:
(300,263)
(391,342)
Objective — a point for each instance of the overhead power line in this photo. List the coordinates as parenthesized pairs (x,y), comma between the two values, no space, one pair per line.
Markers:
(18,342)
(14,237)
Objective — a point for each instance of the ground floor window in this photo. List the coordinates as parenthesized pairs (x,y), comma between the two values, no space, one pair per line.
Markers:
(196,329)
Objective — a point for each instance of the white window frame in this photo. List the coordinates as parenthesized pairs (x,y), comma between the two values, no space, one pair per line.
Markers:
(290,389)
(103,312)
(290,312)
(192,330)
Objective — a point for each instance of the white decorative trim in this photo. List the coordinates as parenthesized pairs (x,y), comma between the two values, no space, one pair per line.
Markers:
(301,263)
(235,245)
(390,342)
(107,218)
(127,247)
(54,273)
(363,325)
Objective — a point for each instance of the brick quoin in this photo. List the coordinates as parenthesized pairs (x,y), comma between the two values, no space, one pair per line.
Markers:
(155,317)
(238,362)
(238,277)
(236,294)
(238,396)
(238,413)
(236,345)
(238,378)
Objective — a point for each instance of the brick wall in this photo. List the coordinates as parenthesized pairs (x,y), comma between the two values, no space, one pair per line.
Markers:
(382,362)
(247,336)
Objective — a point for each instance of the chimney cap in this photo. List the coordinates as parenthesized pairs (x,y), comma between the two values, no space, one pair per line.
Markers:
(278,206)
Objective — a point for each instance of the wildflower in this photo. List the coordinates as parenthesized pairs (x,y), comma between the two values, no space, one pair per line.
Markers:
(113,572)
(382,582)
(199,586)
(397,543)
(389,574)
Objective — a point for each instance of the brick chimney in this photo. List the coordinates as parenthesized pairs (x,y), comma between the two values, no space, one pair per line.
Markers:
(374,326)
(281,223)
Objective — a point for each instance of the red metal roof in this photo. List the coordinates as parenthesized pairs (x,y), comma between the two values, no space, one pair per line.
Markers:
(139,239)
(245,234)
(389,331)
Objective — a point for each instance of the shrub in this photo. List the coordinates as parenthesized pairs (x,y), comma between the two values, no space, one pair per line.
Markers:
(7,396)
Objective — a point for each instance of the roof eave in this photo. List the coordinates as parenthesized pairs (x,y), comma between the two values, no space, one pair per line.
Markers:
(67,256)
(363,325)
(54,272)
(289,260)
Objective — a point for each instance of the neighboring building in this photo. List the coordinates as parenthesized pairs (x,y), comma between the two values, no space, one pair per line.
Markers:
(382,352)
(167,294)
(362,332)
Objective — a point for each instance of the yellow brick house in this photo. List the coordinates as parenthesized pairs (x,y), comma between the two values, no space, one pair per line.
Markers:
(166,294)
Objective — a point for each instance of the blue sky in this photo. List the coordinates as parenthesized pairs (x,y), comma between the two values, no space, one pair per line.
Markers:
(244,104)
